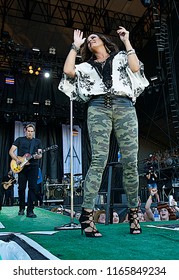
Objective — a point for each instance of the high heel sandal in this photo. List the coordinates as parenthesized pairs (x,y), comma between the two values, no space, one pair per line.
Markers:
(86,221)
(134,221)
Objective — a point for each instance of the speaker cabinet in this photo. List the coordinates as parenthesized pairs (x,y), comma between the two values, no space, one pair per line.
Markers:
(56,191)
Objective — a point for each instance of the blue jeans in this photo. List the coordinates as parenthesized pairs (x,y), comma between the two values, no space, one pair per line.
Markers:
(152,186)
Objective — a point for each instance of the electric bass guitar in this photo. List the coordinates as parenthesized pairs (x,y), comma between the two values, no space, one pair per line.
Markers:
(6,185)
(16,168)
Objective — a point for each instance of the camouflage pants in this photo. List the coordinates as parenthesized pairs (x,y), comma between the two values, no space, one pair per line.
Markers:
(101,120)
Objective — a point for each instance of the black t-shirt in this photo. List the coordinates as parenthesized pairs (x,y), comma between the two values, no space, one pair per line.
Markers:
(23,145)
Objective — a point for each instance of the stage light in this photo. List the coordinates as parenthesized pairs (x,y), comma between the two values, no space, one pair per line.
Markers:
(52,50)
(9,100)
(36,50)
(37,71)
(31,71)
(9,80)
(36,103)
(154,79)
(47,74)
(34,70)
(47,102)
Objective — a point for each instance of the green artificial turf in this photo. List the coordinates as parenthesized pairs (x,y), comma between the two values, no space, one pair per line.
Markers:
(116,244)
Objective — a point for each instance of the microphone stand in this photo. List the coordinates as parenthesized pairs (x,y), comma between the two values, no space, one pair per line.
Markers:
(70,225)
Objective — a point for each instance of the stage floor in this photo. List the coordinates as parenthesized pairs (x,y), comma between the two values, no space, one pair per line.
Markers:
(161,243)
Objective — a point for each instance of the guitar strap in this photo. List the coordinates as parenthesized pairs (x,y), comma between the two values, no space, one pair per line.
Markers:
(32,146)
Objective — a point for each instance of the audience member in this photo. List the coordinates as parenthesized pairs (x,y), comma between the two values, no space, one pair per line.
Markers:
(115,217)
(174,207)
(152,182)
(162,159)
(63,211)
(100,217)
(165,211)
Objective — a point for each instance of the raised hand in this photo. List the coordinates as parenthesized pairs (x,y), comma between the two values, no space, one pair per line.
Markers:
(153,191)
(123,33)
(78,38)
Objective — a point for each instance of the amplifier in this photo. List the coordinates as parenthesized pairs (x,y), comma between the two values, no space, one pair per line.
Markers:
(56,191)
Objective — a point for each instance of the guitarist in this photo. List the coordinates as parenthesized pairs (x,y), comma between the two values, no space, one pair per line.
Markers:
(8,182)
(27,144)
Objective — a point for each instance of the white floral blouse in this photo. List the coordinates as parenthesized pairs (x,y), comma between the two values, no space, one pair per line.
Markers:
(88,82)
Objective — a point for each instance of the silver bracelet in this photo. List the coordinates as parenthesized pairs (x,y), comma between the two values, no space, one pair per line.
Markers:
(130,52)
(75,48)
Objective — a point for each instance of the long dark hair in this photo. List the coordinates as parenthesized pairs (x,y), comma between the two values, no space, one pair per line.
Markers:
(111,47)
